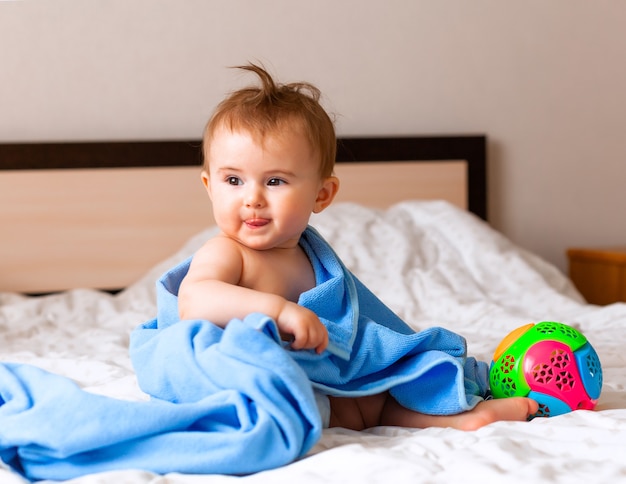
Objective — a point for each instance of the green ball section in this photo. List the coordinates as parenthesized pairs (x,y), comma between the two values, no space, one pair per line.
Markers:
(506,376)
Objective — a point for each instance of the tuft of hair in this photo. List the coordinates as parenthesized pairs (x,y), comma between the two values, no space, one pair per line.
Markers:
(272,108)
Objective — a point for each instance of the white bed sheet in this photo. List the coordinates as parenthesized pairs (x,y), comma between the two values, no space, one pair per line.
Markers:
(433,264)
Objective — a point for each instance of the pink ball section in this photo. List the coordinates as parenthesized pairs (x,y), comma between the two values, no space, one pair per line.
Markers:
(550,368)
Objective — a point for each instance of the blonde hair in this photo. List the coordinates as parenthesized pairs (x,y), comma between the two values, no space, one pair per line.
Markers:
(272,108)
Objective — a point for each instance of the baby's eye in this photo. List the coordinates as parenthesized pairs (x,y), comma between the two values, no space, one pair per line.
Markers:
(273,182)
(233,180)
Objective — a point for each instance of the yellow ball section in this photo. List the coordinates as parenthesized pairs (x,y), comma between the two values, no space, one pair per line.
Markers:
(509,339)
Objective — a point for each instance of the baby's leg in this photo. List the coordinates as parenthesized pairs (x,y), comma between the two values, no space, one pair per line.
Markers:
(382,409)
(486,412)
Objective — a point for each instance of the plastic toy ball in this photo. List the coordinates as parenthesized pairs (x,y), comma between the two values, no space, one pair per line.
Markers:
(552,363)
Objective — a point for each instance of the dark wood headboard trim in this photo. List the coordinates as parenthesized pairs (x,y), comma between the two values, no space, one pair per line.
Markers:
(472,149)
(114,154)
(119,154)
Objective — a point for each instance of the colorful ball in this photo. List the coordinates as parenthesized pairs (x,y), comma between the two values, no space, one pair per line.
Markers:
(550,362)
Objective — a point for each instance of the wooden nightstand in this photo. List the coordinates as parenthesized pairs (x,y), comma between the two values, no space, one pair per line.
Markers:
(599,274)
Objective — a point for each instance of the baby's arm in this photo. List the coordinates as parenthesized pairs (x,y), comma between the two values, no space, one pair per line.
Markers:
(210,291)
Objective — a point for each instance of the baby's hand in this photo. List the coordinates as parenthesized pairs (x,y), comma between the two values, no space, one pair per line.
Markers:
(305,327)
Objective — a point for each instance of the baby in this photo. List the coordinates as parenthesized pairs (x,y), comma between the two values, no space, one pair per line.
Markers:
(269,155)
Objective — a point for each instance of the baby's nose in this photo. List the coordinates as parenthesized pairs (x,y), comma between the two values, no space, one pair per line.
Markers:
(254,198)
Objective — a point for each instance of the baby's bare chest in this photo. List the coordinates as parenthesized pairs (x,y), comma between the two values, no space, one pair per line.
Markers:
(287,275)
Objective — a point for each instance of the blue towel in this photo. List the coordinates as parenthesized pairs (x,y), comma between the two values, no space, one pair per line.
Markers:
(372,350)
(234,400)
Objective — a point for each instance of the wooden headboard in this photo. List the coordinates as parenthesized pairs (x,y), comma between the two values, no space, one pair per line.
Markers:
(99,214)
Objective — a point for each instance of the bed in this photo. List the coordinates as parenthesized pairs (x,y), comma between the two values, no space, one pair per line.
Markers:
(87,228)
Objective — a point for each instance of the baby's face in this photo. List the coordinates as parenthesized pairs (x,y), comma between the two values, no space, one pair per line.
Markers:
(263,191)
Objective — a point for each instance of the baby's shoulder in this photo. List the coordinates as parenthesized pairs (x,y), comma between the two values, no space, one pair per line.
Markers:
(221,240)
(219,247)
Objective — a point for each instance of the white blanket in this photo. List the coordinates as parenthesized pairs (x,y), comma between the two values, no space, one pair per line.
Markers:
(434,265)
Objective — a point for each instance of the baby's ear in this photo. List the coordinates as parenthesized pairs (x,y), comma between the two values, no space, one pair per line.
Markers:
(326,194)
(206,182)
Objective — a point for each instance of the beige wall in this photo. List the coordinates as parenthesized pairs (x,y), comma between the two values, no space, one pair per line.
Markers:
(545,80)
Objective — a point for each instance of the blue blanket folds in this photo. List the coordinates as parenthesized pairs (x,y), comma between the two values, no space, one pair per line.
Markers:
(235,400)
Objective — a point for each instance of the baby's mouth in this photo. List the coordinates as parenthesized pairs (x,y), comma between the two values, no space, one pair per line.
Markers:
(256,222)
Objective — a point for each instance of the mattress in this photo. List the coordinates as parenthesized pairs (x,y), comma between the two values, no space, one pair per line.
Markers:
(434,265)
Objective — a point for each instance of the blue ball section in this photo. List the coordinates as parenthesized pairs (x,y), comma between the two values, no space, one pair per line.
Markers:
(590,370)
(548,406)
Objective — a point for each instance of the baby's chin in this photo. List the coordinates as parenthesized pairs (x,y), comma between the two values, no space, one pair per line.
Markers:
(261,242)
(262,245)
